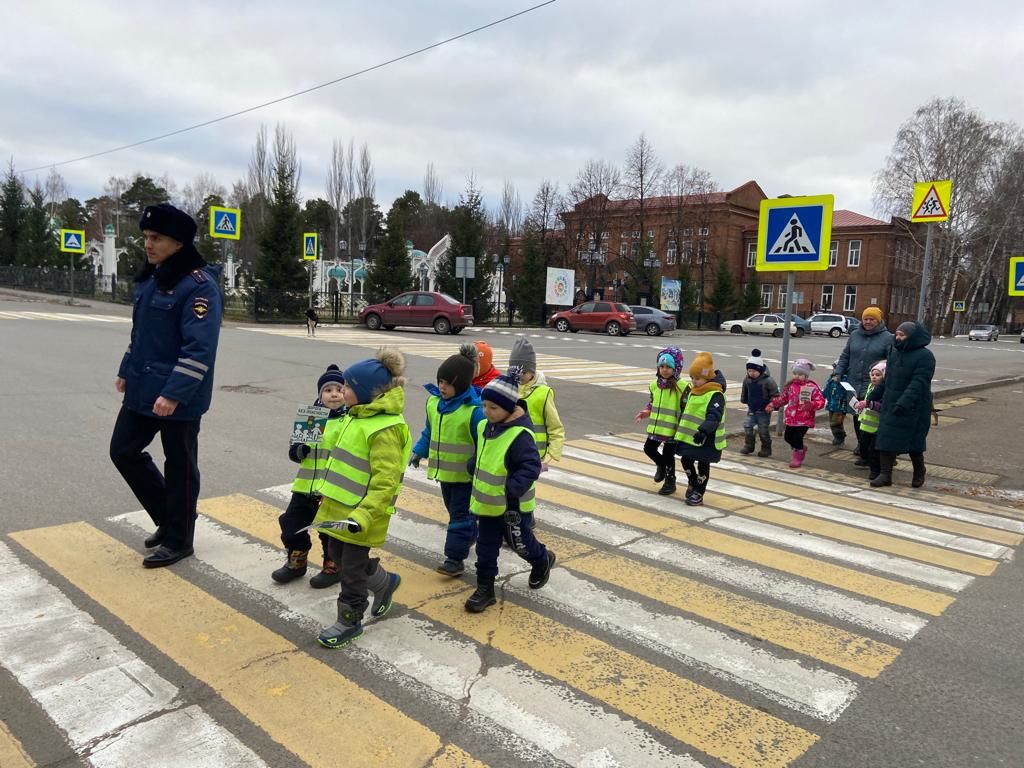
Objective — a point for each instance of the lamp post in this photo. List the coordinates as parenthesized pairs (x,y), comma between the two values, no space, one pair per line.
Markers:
(500,263)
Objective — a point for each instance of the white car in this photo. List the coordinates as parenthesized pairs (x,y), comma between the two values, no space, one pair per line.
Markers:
(983,333)
(833,325)
(773,324)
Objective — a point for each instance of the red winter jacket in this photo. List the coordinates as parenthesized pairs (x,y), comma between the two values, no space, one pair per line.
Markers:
(802,399)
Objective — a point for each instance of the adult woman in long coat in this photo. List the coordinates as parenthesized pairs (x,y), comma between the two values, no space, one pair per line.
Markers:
(907,403)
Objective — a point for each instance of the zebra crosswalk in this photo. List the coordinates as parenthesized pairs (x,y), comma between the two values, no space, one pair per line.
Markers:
(67,317)
(729,634)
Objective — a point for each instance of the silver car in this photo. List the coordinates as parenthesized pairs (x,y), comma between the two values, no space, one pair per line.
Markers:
(983,333)
(652,321)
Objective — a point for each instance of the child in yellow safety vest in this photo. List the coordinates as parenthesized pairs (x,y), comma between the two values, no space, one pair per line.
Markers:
(368,455)
(701,432)
(539,397)
(868,411)
(504,469)
(312,461)
(447,442)
(663,410)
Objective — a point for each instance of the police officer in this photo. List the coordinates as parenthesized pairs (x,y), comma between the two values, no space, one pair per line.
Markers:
(166,377)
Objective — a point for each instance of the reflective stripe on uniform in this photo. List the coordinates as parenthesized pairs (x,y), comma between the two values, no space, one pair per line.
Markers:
(187,372)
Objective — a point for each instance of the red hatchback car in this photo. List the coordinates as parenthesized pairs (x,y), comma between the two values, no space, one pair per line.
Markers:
(603,316)
(420,309)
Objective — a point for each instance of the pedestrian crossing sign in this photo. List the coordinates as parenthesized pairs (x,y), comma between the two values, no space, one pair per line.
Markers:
(931,201)
(793,233)
(225,222)
(959,306)
(72,240)
(309,246)
(1017,275)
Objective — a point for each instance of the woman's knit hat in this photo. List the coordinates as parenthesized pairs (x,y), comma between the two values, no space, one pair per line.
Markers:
(755,362)
(802,365)
(503,391)
(703,366)
(907,328)
(874,312)
(332,375)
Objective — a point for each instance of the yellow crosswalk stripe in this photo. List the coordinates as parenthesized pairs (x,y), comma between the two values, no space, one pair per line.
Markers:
(809,637)
(12,755)
(732,731)
(260,673)
(840,500)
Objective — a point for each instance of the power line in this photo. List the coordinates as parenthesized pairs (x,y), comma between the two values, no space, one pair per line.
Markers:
(303,92)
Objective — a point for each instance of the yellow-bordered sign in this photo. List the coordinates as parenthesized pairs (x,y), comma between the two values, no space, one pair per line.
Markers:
(1016,276)
(225,222)
(931,201)
(72,240)
(959,306)
(309,246)
(793,233)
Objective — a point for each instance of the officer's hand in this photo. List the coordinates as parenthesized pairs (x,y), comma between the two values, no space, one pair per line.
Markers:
(414,460)
(119,384)
(164,406)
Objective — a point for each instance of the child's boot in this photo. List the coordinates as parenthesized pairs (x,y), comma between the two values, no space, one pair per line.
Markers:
(383,585)
(766,448)
(540,572)
(347,628)
(452,568)
(659,473)
(327,577)
(483,596)
(294,568)
(669,486)
(748,444)
(798,458)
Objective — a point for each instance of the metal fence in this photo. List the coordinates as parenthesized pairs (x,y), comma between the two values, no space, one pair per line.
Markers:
(77,284)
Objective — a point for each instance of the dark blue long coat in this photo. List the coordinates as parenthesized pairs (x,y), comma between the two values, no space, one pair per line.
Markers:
(907,402)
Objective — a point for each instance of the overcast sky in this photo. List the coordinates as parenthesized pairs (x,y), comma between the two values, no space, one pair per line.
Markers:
(800,98)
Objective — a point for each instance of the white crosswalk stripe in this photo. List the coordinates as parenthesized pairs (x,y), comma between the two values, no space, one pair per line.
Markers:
(68,317)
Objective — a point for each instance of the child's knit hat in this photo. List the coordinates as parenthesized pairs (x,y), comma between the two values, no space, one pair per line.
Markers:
(503,390)
(332,375)
(458,370)
(673,358)
(484,355)
(369,378)
(755,362)
(879,366)
(703,366)
(803,365)
(522,355)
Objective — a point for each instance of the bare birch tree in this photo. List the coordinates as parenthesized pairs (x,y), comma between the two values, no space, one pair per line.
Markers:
(432,189)
(689,190)
(198,190)
(338,189)
(641,181)
(586,224)
(56,190)
(366,189)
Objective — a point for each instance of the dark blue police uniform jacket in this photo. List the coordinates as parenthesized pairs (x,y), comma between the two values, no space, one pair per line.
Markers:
(175,329)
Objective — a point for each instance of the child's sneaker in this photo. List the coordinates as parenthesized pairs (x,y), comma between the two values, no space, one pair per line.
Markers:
(539,573)
(294,568)
(694,499)
(452,568)
(327,577)
(382,602)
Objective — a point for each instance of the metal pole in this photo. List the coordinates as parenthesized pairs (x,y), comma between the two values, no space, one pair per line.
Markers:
(501,278)
(924,274)
(71,261)
(780,424)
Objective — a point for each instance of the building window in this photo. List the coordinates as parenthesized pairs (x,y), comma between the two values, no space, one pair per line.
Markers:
(604,235)
(766,297)
(650,234)
(670,255)
(853,256)
(751,254)
(826,297)
(687,232)
(782,297)
(622,250)
(687,252)
(634,249)
(702,251)
(636,233)
(705,231)
(850,299)
(833,253)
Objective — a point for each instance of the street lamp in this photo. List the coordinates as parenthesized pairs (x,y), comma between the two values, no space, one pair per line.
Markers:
(500,264)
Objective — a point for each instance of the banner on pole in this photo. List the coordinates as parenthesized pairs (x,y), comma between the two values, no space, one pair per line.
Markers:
(561,287)
(670,290)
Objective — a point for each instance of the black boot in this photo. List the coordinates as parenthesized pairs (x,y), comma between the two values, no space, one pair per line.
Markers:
(885,462)
(669,487)
(917,459)
(156,538)
(748,444)
(766,448)
(294,567)
(659,473)
(483,597)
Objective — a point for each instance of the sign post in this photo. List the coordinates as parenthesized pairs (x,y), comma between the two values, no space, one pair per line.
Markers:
(793,235)
(930,205)
(465,267)
(226,224)
(72,241)
(309,253)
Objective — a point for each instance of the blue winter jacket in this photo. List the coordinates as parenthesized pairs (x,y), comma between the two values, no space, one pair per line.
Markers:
(470,397)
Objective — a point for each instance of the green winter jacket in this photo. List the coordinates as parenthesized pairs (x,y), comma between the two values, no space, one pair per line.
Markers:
(389,454)
(907,402)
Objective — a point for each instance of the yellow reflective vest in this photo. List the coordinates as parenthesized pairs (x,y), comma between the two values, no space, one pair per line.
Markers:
(451,442)
(869,419)
(489,475)
(666,409)
(535,403)
(694,413)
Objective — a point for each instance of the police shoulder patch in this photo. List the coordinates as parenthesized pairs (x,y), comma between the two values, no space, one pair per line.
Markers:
(200,307)
(199,276)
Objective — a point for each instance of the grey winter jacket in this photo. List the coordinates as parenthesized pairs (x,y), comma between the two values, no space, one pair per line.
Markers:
(863,349)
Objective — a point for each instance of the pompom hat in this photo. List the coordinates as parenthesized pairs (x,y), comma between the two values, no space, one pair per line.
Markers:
(366,378)
(755,362)
(802,365)
(332,375)
(703,366)
(503,391)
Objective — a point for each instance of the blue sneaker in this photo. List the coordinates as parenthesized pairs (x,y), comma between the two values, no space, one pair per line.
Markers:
(338,634)
(382,602)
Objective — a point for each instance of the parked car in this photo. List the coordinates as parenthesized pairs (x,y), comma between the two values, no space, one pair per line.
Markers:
(983,333)
(801,323)
(852,324)
(603,316)
(419,309)
(773,324)
(833,325)
(651,320)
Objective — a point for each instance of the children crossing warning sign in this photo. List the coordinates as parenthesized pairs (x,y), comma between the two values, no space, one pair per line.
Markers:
(225,222)
(931,201)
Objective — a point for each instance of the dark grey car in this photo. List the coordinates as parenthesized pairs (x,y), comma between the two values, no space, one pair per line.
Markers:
(652,321)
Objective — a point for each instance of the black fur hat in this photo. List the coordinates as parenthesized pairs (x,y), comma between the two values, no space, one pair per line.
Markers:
(168,220)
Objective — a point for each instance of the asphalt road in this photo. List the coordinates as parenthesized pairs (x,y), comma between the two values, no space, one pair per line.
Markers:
(952,697)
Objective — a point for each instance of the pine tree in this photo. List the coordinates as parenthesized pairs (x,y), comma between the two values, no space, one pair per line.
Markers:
(391,273)
(750,301)
(467,241)
(279,265)
(39,242)
(723,294)
(528,287)
(12,218)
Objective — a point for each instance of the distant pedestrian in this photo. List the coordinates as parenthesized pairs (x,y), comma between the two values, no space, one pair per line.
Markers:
(312,320)
(802,399)
(759,388)
(700,436)
(663,411)
(865,347)
(907,405)
(869,409)
(166,377)
(837,403)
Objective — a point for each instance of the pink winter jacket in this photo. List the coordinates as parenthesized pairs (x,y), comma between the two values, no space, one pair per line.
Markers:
(802,399)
